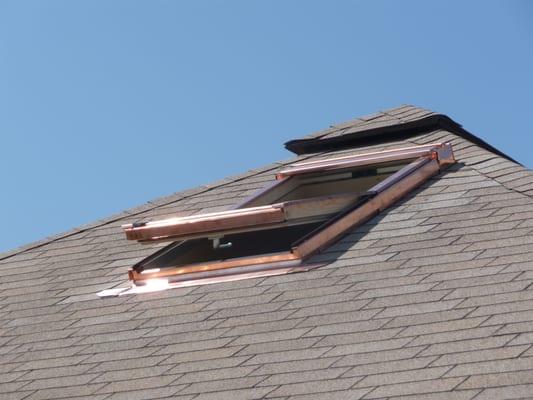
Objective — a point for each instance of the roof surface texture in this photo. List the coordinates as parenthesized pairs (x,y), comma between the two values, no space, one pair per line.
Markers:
(432,299)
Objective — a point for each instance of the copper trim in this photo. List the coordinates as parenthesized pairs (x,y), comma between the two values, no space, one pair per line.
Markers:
(213,266)
(358,160)
(205,223)
(246,219)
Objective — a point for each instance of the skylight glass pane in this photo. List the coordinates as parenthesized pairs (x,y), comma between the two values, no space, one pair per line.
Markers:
(351,180)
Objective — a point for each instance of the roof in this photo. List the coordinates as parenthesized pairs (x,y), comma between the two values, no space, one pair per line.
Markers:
(432,299)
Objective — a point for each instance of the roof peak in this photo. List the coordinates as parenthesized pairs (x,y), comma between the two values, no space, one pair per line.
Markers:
(390,124)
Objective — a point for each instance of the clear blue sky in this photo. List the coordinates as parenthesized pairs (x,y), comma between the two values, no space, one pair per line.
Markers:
(107,104)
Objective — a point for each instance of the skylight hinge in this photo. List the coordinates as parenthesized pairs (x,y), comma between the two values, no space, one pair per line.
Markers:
(218,245)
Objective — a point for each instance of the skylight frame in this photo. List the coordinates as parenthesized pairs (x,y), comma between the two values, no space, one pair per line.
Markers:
(429,160)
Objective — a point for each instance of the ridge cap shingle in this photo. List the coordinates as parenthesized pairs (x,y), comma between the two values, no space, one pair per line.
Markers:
(399,122)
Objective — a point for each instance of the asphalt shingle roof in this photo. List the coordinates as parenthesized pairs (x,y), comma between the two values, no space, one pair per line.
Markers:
(432,299)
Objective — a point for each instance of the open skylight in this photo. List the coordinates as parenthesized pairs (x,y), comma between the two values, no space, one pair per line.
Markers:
(310,205)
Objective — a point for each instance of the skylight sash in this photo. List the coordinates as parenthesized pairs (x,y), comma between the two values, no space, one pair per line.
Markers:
(295,211)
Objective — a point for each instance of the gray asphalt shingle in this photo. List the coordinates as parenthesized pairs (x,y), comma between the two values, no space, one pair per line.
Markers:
(432,299)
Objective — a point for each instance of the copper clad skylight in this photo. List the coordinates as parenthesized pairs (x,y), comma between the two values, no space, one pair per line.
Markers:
(310,205)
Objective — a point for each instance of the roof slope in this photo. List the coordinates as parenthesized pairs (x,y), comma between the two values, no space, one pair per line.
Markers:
(430,300)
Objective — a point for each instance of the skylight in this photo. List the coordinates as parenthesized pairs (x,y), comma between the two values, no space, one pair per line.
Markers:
(310,205)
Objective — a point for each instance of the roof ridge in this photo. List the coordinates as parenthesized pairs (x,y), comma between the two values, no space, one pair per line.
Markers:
(361,120)
(379,131)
